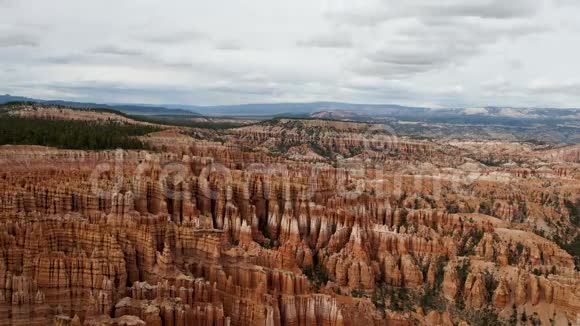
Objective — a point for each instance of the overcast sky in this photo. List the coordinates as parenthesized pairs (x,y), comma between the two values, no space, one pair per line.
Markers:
(444,53)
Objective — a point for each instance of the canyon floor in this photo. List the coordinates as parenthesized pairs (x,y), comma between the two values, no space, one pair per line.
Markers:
(281,222)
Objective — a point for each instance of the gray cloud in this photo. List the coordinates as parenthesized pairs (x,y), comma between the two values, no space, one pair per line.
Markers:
(112,58)
(498,86)
(100,56)
(248,90)
(445,53)
(381,11)
(568,87)
(172,37)
(109,91)
(228,45)
(497,9)
(567,2)
(336,40)
(554,92)
(116,50)
(427,46)
(16,40)
(66,58)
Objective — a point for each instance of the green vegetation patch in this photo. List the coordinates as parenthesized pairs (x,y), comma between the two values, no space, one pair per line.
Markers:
(86,135)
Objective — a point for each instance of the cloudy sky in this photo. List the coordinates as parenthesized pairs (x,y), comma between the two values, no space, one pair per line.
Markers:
(445,53)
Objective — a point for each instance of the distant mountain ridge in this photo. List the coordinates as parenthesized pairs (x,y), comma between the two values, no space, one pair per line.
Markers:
(329,110)
(339,110)
(132,109)
(302,109)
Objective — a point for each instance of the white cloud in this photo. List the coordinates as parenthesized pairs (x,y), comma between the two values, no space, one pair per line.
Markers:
(444,53)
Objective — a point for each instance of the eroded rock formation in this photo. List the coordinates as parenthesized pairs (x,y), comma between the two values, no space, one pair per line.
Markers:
(207,233)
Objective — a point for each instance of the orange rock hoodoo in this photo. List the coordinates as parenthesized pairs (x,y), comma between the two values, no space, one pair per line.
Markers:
(215,234)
